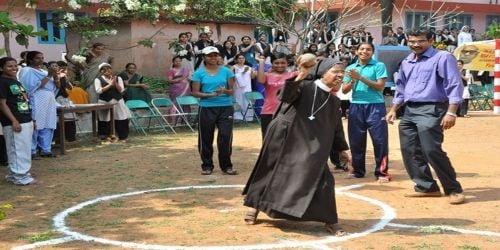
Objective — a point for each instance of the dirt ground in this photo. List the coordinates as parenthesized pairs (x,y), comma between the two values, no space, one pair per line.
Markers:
(214,217)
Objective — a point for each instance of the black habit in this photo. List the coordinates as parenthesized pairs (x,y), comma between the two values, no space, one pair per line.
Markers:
(291,179)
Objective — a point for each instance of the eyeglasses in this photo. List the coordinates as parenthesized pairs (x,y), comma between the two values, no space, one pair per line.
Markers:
(417,41)
(469,52)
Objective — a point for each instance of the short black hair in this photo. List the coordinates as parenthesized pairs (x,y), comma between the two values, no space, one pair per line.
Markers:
(425,33)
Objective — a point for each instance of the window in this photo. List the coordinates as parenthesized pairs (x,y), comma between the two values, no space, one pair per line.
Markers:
(457,21)
(491,19)
(49,21)
(332,17)
(416,20)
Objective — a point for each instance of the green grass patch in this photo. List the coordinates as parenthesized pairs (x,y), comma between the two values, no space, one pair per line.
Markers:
(47,235)
(468,247)
(116,204)
(424,245)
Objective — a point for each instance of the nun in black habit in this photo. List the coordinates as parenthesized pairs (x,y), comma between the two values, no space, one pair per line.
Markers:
(291,179)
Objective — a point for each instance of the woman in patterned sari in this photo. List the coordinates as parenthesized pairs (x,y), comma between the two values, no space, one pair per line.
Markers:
(135,89)
(178,77)
(95,57)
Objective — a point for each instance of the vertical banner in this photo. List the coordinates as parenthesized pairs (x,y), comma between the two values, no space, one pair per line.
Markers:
(496,83)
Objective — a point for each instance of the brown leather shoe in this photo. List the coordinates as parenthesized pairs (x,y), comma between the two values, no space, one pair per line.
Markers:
(457,198)
(422,194)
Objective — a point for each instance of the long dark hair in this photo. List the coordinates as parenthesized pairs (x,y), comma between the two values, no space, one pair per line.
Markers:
(31,55)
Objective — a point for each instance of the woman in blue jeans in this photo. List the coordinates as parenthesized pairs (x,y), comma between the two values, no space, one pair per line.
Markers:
(366,78)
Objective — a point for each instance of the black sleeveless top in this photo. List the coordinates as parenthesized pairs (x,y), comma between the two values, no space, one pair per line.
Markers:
(110,94)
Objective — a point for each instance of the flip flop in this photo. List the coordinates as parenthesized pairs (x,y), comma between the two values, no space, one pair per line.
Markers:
(335,229)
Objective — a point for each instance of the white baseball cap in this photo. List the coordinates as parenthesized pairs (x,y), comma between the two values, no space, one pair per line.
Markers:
(102,65)
(209,50)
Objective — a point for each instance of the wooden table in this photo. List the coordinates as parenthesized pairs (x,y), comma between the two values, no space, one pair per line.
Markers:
(80,108)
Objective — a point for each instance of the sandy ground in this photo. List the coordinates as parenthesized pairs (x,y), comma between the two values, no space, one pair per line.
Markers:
(214,217)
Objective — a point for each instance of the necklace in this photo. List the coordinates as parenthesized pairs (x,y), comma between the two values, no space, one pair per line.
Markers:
(313,112)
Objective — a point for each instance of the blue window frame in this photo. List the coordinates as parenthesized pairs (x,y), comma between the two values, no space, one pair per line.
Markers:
(49,21)
(418,20)
(458,21)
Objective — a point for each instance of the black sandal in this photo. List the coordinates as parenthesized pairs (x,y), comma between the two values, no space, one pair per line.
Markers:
(335,229)
(251,217)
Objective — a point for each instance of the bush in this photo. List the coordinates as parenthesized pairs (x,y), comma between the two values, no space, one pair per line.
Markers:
(156,84)
(493,31)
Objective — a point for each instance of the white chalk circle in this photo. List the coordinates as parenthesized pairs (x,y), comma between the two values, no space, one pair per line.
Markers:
(60,224)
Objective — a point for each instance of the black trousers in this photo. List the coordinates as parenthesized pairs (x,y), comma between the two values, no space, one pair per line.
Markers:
(209,119)
(421,137)
(121,128)
(265,119)
(69,131)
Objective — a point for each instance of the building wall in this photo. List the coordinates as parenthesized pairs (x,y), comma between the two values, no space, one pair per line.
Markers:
(27,16)
(155,61)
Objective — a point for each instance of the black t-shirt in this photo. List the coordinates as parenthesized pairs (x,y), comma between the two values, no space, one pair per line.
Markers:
(17,101)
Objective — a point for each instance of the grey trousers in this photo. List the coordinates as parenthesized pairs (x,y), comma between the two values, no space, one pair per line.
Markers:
(19,153)
(421,137)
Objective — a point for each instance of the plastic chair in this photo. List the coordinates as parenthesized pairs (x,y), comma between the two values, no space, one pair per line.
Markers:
(164,107)
(237,108)
(191,116)
(489,87)
(480,99)
(140,110)
(252,98)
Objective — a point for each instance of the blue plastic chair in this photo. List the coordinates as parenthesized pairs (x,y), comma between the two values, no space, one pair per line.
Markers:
(140,110)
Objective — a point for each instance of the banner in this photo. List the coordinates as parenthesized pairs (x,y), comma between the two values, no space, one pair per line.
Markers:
(477,55)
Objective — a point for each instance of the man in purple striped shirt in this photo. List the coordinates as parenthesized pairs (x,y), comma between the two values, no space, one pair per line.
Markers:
(431,87)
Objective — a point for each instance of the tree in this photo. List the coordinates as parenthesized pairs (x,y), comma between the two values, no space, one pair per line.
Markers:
(387,8)
(435,14)
(22,32)
(285,14)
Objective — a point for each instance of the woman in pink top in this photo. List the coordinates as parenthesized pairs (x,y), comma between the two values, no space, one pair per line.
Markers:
(273,81)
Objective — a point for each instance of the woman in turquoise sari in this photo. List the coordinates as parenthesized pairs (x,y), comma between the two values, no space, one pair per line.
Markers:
(135,89)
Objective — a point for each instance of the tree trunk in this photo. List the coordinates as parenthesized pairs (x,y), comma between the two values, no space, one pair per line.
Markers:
(387,8)
(6,39)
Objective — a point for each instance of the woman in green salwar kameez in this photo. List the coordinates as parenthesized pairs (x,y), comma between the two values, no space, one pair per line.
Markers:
(135,89)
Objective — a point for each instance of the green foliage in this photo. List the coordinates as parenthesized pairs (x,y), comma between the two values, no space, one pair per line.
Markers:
(156,84)
(4,207)
(216,10)
(493,31)
(22,31)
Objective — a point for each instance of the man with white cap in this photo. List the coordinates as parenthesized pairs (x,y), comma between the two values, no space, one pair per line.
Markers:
(213,84)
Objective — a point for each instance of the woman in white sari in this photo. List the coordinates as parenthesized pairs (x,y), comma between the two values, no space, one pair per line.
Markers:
(243,75)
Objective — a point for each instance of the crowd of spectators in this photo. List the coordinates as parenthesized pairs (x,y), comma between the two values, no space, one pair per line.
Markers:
(256,64)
